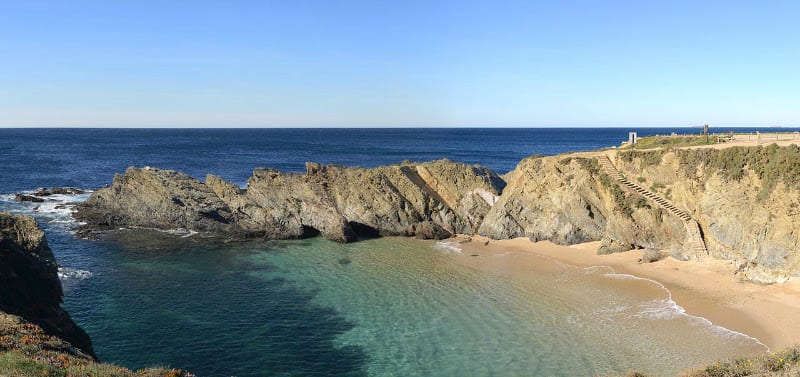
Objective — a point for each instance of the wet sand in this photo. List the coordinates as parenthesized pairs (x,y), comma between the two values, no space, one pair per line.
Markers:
(706,288)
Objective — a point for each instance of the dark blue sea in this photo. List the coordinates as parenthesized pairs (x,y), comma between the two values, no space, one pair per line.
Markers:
(290,308)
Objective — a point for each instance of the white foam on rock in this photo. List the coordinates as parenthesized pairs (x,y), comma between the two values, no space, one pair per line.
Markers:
(181,232)
(55,209)
(66,273)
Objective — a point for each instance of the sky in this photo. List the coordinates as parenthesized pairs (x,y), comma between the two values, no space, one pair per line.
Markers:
(342,63)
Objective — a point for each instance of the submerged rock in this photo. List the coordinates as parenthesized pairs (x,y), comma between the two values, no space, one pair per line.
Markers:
(59,191)
(28,198)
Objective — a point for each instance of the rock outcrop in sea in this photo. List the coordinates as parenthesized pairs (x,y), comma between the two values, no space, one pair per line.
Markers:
(743,202)
(430,200)
(29,284)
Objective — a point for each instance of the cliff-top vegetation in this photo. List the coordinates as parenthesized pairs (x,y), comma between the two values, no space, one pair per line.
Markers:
(771,164)
(649,142)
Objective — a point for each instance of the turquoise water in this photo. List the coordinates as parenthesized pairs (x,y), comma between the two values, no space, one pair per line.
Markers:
(382,307)
(419,312)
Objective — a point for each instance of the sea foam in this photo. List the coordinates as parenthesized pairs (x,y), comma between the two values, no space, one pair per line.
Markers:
(66,273)
(669,309)
(449,247)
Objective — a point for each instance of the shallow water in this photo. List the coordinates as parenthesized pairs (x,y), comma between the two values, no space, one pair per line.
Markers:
(380,307)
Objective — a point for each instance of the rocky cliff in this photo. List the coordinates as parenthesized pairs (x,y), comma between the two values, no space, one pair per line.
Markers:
(569,200)
(29,285)
(745,200)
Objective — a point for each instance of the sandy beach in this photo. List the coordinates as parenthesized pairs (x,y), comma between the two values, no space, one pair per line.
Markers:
(706,288)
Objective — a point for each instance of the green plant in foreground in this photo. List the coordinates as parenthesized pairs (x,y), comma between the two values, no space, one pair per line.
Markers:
(782,363)
(26,351)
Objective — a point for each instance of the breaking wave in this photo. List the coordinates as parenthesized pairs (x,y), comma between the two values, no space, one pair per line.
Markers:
(449,247)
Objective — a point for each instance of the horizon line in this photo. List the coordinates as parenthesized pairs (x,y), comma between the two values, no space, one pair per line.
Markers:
(389,127)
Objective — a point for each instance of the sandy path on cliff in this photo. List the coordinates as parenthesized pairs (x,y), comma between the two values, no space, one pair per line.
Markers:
(706,288)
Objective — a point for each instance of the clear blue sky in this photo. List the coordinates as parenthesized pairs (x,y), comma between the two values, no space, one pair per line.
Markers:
(401,63)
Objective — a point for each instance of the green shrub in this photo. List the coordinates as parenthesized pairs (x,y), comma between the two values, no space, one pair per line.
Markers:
(673,141)
(646,158)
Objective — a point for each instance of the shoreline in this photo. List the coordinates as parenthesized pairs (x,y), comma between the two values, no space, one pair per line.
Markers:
(706,289)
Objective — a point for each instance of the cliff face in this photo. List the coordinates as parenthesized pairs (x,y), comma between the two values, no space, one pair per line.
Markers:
(29,285)
(569,200)
(745,200)
(430,200)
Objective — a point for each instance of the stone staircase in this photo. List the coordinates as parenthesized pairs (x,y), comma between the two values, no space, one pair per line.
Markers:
(698,246)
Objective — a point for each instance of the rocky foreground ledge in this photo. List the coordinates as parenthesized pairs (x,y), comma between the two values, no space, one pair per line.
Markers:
(29,285)
(743,200)
(37,337)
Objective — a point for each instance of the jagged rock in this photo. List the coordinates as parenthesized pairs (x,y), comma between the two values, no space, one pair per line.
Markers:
(161,199)
(59,191)
(340,203)
(568,201)
(651,255)
(27,198)
(29,285)
(428,230)
(610,246)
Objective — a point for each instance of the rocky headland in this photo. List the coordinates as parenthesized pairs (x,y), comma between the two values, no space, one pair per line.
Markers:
(739,204)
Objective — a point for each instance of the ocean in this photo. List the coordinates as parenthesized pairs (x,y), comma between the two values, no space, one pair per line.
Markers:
(381,307)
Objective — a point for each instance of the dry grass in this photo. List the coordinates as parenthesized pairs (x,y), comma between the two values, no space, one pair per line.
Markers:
(673,141)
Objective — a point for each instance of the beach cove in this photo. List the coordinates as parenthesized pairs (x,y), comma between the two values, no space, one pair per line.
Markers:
(708,289)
